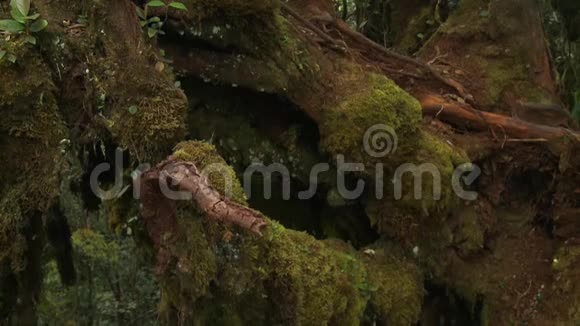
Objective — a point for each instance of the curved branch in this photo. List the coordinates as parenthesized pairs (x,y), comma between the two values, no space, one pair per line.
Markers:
(186,177)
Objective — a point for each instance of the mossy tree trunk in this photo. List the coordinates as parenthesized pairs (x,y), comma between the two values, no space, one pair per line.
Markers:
(103,83)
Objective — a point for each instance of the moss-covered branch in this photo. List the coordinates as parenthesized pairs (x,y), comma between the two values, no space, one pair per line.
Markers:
(283,277)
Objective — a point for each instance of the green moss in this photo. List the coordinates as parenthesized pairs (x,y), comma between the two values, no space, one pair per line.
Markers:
(31,129)
(509,74)
(506,69)
(270,60)
(30,132)
(409,40)
(318,284)
(94,247)
(31,123)
(565,265)
(248,26)
(285,277)
(12,240)
(419,220)
(467,19)
(469,237)
(156,126)
(206,157)
(343,131)
(390,274)
(381,101)
(565,258)
(127,98)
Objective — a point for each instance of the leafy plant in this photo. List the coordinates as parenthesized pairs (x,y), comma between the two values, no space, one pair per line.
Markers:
(22,21)
(154,24)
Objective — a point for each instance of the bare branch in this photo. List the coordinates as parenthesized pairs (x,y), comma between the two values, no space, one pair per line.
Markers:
(186,177)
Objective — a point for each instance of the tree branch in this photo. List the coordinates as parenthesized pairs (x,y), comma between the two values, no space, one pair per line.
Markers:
(460,114)
(185,176)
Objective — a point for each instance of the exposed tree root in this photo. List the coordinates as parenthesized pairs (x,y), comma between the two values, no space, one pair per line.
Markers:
(343,28)
(358,37)
(333,43)
(463,115)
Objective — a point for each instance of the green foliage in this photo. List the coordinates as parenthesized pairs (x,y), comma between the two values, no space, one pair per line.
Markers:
(564,47)
(114,287)
(154,25)
(22,21)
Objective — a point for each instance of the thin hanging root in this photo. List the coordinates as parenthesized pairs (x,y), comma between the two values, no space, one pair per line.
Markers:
(173,175)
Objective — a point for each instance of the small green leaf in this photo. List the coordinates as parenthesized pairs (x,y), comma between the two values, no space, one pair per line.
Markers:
(33,17)
(178,6)
(11,26)
(140,13)
(11,58)
(484,13)
(155,3)
(38,25)
(154,20)
(151,32)
(16,15)
(2,54)
(22,5)
(133,109)
(30,39)
(143,23)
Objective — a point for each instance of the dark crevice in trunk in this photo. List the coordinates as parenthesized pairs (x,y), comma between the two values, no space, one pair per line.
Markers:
(251,127)
(92,156)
